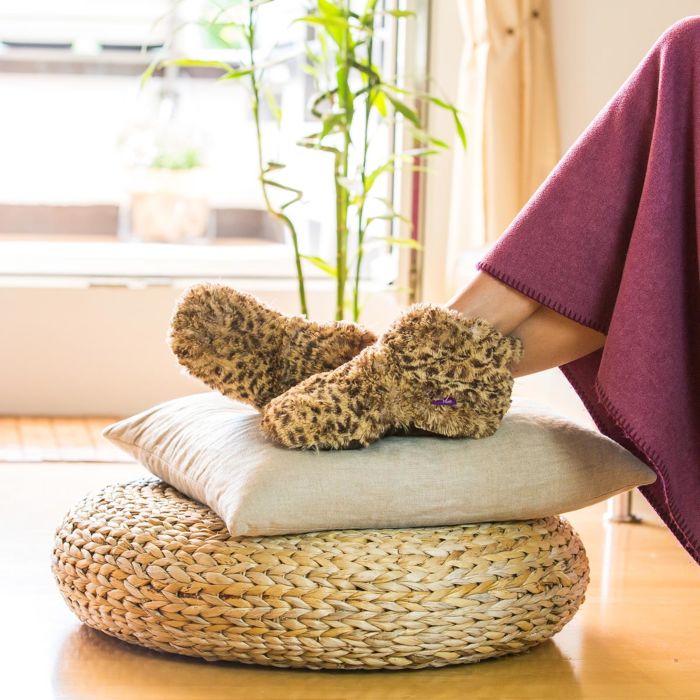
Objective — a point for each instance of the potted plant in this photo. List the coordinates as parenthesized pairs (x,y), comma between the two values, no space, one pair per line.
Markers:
(351,95)
(166,184)
(167,199)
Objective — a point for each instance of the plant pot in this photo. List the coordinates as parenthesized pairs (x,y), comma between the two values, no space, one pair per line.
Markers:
(168,205)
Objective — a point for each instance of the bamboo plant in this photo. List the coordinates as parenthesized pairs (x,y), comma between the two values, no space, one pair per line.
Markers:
(351,95)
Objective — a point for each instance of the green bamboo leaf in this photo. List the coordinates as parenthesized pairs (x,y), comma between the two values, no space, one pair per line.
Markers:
(404,109)
(425,137)
(334,26)
(323,43)
(443,104)
(397,13)
(288,204)
(312,143)
(401,242)
(425,97)
(391,216)
(329,9)
(440,103)
(235,74)
(327,22)
(400,91)
(418,153)
(197,63)
(330,121)
(389,165)
(342,80)
(312,57)
(438,142)
(298,194)
(280,186)
(369,8)
(321,264)
(159,63)
(378,101)
(460,129)
(273,105)
(372,177)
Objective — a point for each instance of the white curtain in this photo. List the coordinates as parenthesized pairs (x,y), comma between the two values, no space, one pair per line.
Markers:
(507,96)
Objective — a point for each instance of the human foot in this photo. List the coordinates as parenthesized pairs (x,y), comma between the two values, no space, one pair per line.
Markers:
(433,370)
(250,352)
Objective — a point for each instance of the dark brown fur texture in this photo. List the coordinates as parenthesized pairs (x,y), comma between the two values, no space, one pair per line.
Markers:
(429,354)
(250,352)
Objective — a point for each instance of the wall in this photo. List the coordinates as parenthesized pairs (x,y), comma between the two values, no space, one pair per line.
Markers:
(597,44)
(103,350)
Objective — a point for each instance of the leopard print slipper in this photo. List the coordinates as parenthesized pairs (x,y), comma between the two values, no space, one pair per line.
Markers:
(433,370)
(250,352)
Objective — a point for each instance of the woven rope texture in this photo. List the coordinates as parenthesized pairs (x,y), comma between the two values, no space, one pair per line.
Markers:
(143,563)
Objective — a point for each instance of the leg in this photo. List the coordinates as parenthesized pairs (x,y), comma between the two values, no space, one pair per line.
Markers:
(488,298)
(549,339)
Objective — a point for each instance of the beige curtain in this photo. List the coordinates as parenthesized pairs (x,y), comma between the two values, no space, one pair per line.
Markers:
(507,95)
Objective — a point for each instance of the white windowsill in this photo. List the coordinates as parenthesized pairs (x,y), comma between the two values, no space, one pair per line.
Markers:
(84,264)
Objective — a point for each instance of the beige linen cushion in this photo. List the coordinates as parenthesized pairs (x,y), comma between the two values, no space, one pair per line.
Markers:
(536,464)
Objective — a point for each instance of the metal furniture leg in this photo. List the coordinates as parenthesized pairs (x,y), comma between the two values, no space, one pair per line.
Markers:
(620,509)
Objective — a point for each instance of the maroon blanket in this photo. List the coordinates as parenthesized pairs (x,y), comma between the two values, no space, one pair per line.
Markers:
(610,240)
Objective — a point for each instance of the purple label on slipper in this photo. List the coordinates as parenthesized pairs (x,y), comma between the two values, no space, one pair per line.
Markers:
(449,401)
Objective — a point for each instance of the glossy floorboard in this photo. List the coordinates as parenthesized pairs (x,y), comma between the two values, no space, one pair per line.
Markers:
(637,636)
(48,439)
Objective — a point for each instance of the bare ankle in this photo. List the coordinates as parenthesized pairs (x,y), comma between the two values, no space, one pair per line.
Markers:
(502,306)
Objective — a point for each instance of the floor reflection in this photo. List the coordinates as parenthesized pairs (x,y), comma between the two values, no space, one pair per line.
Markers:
(91,665)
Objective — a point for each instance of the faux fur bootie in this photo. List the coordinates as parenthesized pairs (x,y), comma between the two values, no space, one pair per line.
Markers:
(250,352)
(433,370)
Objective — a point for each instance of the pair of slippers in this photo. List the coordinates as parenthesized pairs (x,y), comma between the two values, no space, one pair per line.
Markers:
(337,385)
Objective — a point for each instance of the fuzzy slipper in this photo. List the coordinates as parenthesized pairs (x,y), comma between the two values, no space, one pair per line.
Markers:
(433,370)
(251,353)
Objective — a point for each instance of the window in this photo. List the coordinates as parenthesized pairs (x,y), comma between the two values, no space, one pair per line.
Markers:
(75,120)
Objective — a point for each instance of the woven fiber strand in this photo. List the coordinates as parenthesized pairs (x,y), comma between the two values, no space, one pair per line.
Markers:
(143,563)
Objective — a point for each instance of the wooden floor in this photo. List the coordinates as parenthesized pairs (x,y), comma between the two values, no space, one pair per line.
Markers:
(47,439)
(636,637)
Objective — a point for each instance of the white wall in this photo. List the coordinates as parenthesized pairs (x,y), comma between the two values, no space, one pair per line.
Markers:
(597,44)
(102,350)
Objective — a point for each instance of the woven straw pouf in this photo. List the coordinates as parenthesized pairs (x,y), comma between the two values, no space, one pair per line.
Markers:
(141,562)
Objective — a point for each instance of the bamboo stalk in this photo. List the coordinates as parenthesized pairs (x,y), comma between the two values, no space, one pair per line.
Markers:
(363,175)
(340,177)
(280,215)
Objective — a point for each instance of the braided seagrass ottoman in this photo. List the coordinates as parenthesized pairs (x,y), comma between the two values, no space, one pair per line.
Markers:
(143,563)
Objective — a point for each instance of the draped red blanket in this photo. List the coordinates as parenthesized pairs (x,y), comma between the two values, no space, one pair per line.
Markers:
(610,240)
